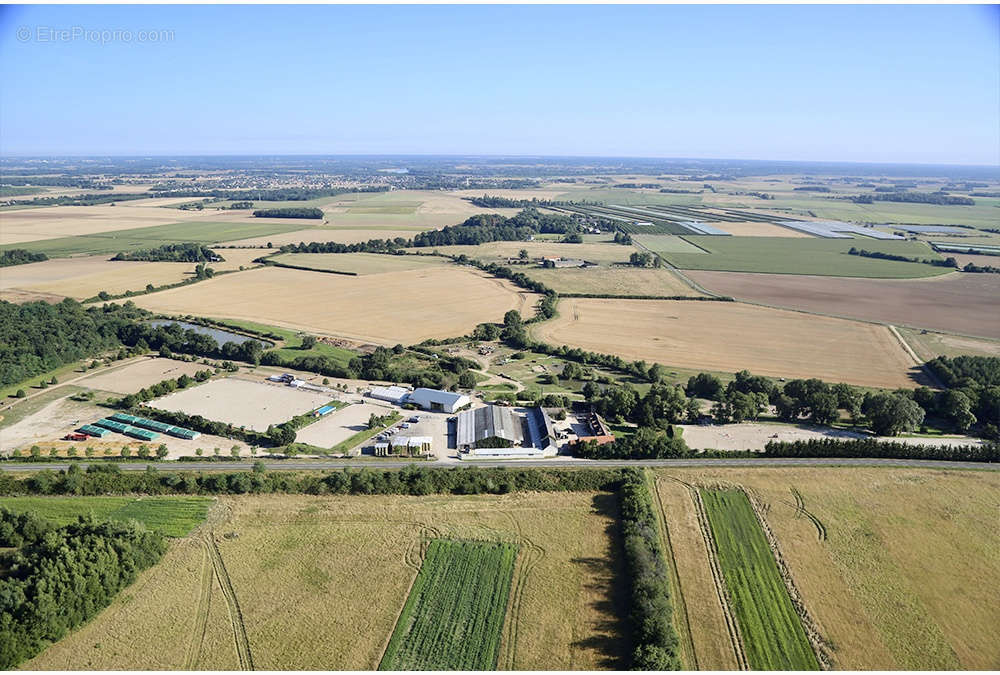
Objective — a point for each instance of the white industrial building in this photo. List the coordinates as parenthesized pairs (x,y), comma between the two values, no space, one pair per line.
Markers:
(436,400)
(392,394)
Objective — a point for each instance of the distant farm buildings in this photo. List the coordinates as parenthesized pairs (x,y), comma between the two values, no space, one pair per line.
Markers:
(559,262)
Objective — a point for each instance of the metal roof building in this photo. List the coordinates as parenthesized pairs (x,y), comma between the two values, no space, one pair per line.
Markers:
(392,394)
(492,421)
(437,400)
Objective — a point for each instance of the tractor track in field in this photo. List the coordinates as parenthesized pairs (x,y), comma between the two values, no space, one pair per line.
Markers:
(820,647)
(528,558)
(677,591)
(735,637)
(235,613)
(202,612)
(802,511)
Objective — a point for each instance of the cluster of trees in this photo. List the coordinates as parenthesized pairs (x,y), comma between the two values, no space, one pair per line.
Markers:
(678,191)
(486,227)
(655,643)
(172,337)
(981,269)
(914,198)
(36,337)
(370,246)
(162,389)
(103,479)
(290,212)
(490,202)
(645,443)
(812,188)
(20,256)
(546,308)
(947,262)
(973,395)
(61,579)
(644,259)
(186,252)
(623,238)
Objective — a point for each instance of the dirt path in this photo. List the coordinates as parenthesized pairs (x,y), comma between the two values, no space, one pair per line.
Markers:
(201,614)
(79,377)
(235,614)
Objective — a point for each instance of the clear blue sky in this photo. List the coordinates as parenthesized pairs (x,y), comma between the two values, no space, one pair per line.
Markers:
(884,83)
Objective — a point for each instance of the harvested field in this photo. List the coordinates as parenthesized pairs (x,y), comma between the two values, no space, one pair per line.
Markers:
(390,308)
(298,556)
(242,403)
(239,257)
(612,281)
(752,229)
(341,235)
(958,303)
(927,345)
(85,277)
(361,263)
(663,243)
(729,337)
(501,251)
(135,376)
(755,435)
(895,566)
(976,259)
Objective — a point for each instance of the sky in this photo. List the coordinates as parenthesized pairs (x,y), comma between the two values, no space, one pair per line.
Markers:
(876,83)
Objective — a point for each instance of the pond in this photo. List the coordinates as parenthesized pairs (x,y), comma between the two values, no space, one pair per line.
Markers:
(219,335)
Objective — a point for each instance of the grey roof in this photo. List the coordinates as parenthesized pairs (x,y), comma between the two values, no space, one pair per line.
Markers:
(435,396)
(486,422)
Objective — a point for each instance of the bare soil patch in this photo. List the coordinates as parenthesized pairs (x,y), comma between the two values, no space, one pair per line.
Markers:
(729,337)
(958,303)
(135,376)
(396,307)
(341,424)
(243,403)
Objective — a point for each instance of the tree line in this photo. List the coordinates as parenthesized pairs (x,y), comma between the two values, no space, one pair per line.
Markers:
(20,256)
(60,578)
(290,212)
(938,198)
(186,252)
(655,643)
(947,262)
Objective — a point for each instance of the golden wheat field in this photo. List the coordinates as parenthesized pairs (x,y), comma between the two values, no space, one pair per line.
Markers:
(897,567)
(396,307)
(728,337)
(85,277)
(612,280)
(319,582)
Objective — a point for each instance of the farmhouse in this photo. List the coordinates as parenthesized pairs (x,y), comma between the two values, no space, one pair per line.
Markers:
(438,401)
(560,263)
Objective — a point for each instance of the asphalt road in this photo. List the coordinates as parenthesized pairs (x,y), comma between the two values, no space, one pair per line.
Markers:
(326,464)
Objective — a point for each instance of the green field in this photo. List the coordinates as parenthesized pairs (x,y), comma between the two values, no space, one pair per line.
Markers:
(772,632)
(173,516)
(149,237)
(292,347)
(824,257)
(667,243)
(19,191)
(454,615)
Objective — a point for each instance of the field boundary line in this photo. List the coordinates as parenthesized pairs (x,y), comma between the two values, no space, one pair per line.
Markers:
(819,645)
(422,548)
(235,613)
(683,277)
(686,639)
(529,555)
(202,610)
(735,638)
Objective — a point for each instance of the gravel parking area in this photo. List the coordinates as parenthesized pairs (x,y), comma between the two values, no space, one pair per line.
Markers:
(340,425)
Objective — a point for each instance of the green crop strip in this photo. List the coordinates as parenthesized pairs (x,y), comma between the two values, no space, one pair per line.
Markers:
(453,618)
(772,632)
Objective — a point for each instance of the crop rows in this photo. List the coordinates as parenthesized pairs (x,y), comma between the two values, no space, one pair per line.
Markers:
(772,632)
(171,516)
(453,618)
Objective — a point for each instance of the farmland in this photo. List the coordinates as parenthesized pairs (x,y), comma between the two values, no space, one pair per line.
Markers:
(502,251)
(612,281)
(894,566)
(242,403)
(771,631)
(927,344)
(198,231)
(825,257)
(173,516)
(453,618)
(340,235)
(139,374)
(360,263)
(297,557)
(85,277)
(725,336)
(380,308)
(959,303)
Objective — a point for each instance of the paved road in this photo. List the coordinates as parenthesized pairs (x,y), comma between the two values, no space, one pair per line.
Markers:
(300,465)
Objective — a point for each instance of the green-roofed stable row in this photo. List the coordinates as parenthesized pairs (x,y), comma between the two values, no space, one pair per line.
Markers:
(132,420)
